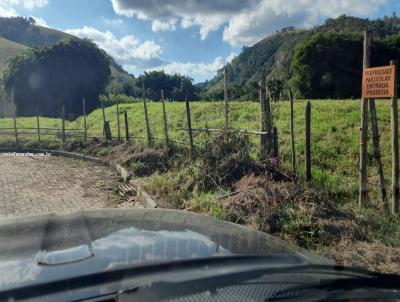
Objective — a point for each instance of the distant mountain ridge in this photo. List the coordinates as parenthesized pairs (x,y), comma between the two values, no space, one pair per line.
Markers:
(25,31)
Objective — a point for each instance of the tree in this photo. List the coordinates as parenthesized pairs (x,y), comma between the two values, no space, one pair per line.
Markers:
(61,74)
(275,88)
(122,85)
(175,86)
(328,66)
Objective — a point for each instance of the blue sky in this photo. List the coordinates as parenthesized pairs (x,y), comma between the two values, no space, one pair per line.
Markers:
(192,37)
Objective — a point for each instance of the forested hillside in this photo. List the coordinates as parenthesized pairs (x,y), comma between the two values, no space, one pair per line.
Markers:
(329,65)
(273,57)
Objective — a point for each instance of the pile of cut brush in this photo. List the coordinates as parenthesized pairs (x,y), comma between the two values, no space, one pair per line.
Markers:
(226,158)
(141,160)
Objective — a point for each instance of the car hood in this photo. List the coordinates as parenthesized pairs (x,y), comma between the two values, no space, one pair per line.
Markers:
(39,249)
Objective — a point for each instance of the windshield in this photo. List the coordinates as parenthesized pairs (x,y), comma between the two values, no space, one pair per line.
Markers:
(137,133)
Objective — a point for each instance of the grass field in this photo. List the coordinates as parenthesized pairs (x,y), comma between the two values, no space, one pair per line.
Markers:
(335,134)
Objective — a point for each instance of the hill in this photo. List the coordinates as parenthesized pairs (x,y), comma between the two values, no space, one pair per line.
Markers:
(7,50)
(18,34)
(273,55)
(25,31)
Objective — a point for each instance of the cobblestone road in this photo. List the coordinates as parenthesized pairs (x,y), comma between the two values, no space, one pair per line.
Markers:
(38,185)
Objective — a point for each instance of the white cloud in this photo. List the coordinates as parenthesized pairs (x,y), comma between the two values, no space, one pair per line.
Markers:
(195,70)
(271,15)
(31,4)
(231,57)
(244,21)
(112,22)
(128,50)
(40,21)
(7,11)
(8,8)
(158,25)
(209,15)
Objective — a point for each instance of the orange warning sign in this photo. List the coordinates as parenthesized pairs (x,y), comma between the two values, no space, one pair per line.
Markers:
(378,82)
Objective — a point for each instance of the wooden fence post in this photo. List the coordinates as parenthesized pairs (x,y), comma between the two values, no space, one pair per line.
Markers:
(38,123)
(269,123)
(14,118)
(126,126)
(165,124)
(263,137)
(189,124)
(292,132)
(63,124)
(395,144)
(377,154)
(362,199)
(118,124)
(107,130)
(146,117)
(266,121)
(308,142)
(84,118)
(226,98)
(104,119)
(276,147)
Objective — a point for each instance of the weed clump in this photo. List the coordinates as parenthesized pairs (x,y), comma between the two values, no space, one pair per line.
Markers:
(226,159)
(141,160)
